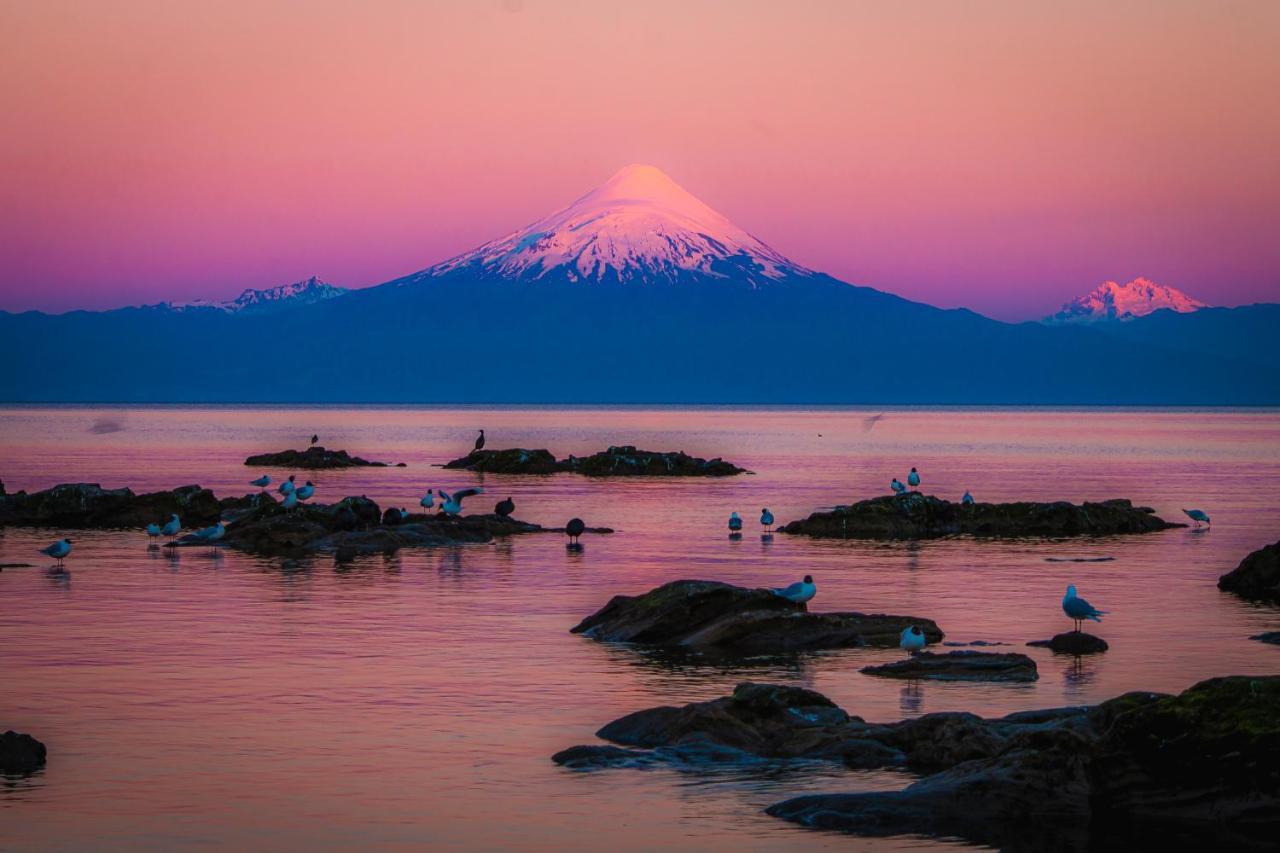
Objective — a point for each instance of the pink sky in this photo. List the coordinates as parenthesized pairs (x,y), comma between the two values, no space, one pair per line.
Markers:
(1001,156)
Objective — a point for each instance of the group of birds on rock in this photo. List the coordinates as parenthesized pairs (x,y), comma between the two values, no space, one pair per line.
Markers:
(913,480)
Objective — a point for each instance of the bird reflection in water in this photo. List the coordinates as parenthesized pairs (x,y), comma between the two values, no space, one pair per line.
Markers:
(1079,674)
(911,698)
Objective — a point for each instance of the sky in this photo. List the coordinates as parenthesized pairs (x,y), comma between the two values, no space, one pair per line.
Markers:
(1002,156)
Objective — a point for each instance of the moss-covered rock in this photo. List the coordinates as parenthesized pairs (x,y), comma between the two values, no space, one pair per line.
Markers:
(963,665)
(719,616)
(918,516)
(88,505)
(1257,577)
(314,458)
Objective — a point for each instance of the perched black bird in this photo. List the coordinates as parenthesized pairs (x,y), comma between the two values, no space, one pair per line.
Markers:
(480,441)
(314,439)
(575,528)
(505,508)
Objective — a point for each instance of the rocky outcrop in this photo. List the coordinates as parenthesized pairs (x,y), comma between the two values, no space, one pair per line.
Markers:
(1200,767)
(88,505)
(1257,577)
(1203,765)
(514,460)
(1073,643)
(717,616)
(352,527)
(20,753)
(919,516)
(959,666)
(624,461)
(315,457)
(1271,637)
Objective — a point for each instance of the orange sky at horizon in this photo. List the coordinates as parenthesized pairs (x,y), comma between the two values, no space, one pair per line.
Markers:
(997,155)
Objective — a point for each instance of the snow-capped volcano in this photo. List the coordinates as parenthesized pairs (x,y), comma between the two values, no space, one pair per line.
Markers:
(638,226)
(1112,301)
(250,301)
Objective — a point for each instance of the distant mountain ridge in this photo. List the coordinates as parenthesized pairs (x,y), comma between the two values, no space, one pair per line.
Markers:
(635,293)
(308,291)
(1122,302)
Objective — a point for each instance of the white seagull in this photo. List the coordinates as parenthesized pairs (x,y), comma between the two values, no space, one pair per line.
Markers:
(453,503)
(912,640)
(287,486)
(735,522)
(967,500)
(153,530)
(304,492)
(290,500)
(1197,515)
(262,482)
(428,500)
(897,486)
(798,592)
(212,534)
(171,527)
(58,550)
(1079,609)
(766,518)
(913,479)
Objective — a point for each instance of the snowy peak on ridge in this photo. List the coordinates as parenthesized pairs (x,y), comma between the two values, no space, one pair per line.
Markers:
(1112,301)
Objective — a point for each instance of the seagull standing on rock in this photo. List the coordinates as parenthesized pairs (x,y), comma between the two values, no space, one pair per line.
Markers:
(1079,609)
(967,500)
(290,500)
(58,550)
(798,592)
(912,640)
(304,492)
(896,485)
(262,482)
(453,503)
(913,479)
(428,500)
(287,486)
(1197,515)
(505,508)
(480,441)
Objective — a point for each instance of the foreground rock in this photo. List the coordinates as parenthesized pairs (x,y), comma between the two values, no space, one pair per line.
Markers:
(919,516)
(1073,643)
(624,461)
(20,753)
(1202,767)
(1257,577)
(88,505)
(314,457)
(960,666)
(1271,637)
(719,616)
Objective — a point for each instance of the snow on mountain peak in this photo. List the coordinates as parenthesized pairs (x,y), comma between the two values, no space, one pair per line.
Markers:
(1113,301)
(638,225)
(305,292)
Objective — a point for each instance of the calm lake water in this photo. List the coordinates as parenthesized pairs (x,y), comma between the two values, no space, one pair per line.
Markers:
(197,699)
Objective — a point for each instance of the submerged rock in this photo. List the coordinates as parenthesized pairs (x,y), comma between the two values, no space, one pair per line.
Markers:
(20,753)
(918,516)
(624,461)
(88,505)
(1257,577)
(1272,637)
(964,665)
(1073,643)
(720,616)
(312,458)
(1203,766)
